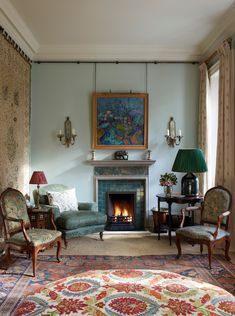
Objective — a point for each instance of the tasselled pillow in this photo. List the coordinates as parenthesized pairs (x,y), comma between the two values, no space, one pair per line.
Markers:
(65,200)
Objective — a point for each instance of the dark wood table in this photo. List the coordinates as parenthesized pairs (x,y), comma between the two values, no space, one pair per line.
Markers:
(179,199)
(39,217)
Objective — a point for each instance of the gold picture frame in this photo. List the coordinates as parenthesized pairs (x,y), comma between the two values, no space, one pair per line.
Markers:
(120,121)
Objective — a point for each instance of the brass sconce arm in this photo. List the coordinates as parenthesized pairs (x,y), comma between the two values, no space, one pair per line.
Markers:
(171,138)
(68,137)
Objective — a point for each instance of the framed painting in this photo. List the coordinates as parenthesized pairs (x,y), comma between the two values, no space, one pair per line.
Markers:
(120,121)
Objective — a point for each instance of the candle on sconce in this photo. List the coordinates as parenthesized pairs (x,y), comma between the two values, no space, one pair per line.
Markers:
(73,131)
(180,133)
(168,132)
(60,132)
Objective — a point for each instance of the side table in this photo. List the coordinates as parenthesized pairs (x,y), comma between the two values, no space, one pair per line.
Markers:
(178,199)
(39,217)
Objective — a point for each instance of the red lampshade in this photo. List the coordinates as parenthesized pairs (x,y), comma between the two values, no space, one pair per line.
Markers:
(38,177)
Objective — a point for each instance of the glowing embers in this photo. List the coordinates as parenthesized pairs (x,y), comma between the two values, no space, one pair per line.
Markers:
(121,210)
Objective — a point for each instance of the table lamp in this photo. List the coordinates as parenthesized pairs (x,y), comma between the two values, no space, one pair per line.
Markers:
(190,161)
(38,177)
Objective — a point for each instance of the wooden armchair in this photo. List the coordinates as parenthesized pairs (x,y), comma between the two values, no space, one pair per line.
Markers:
(18,233)
(215,212)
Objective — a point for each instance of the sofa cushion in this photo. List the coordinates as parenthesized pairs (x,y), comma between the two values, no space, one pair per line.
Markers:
(65,200)
(75,219)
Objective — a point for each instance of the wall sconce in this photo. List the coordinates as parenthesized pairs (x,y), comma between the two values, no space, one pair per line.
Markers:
(68,138)
(171,138)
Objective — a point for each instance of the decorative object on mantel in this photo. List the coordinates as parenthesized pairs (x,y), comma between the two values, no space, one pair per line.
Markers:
(171,138)
(121,155)
(120,121)
(68,138)
(167,181)
(149,155)
(190,160)
(38,177)
(92,155)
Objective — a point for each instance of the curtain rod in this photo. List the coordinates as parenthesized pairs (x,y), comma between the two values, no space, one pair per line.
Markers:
(215,53)
(115,62)
(14,44)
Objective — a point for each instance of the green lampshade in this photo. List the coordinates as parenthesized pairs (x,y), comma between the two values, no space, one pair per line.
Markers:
(190,160)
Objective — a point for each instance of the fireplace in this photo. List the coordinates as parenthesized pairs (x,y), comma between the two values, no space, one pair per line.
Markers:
(120,208)
(129,179)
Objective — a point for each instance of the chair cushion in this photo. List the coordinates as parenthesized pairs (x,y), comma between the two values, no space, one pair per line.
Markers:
(75,219)
(201,232)
(65,200)
(37,236)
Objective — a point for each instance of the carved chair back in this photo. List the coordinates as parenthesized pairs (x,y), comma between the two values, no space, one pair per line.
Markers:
(217,200)
(13,205)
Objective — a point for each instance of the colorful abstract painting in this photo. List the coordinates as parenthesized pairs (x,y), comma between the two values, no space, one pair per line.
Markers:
(120,120)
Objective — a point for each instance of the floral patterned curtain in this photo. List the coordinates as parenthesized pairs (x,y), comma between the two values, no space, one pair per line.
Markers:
(202,125)
(225,147)
(14,116)
(225,173)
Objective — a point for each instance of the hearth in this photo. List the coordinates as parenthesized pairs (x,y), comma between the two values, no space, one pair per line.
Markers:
(120,208)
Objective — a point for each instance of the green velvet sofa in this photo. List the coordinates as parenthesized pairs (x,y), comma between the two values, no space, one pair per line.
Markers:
(73,223)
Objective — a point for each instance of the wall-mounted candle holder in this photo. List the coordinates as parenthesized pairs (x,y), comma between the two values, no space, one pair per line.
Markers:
(68,137)
(171,138)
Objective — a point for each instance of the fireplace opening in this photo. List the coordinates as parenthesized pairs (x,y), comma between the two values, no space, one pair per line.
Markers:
(120,208)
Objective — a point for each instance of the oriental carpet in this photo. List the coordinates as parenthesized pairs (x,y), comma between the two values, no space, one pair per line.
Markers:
(17,282)
(128,292)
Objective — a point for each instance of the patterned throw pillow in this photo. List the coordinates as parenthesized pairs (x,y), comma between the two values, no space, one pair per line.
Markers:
(65,200)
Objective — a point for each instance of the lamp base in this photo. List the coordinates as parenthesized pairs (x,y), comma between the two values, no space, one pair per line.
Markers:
(190,185)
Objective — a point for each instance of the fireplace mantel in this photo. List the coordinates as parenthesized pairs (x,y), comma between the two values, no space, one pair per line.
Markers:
(123,163)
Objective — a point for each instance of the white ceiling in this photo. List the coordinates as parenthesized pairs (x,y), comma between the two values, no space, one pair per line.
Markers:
(135,30)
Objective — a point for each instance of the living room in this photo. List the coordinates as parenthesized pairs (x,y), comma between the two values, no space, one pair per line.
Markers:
(70,64)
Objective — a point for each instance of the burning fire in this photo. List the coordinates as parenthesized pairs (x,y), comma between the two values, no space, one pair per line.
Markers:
(122,211)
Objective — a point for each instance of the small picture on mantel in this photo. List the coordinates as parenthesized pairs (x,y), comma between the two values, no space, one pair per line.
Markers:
(120,121)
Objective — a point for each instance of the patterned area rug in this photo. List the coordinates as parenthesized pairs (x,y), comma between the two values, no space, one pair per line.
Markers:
(17,282)
(128,292)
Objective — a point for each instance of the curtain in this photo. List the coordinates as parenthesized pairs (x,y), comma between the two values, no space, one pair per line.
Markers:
(14,116)
(202,125)
(225,174)
(225,145)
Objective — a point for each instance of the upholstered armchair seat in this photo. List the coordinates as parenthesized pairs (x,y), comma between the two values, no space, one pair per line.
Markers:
(19,235)
(201,232)
(37,237)
(213,229)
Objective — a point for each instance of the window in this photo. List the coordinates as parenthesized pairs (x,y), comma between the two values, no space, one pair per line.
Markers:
(212,121)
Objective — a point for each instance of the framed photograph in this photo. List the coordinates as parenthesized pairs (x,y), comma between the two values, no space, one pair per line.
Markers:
(120,121)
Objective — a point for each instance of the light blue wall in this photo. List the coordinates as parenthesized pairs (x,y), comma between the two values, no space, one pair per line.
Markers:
(60,90)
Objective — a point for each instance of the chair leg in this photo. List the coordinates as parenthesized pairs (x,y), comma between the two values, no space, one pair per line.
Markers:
(101,236)
(59,244)
(65,242)
(201,248)
(178,245)
(34,259)
(209,254)
(227,245)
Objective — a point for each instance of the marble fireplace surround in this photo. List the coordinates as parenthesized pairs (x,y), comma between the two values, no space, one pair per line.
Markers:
(119,174)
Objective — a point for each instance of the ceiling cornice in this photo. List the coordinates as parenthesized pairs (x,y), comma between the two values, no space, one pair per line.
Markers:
(17,29)
(11,21)
(114,53)
(223,30)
